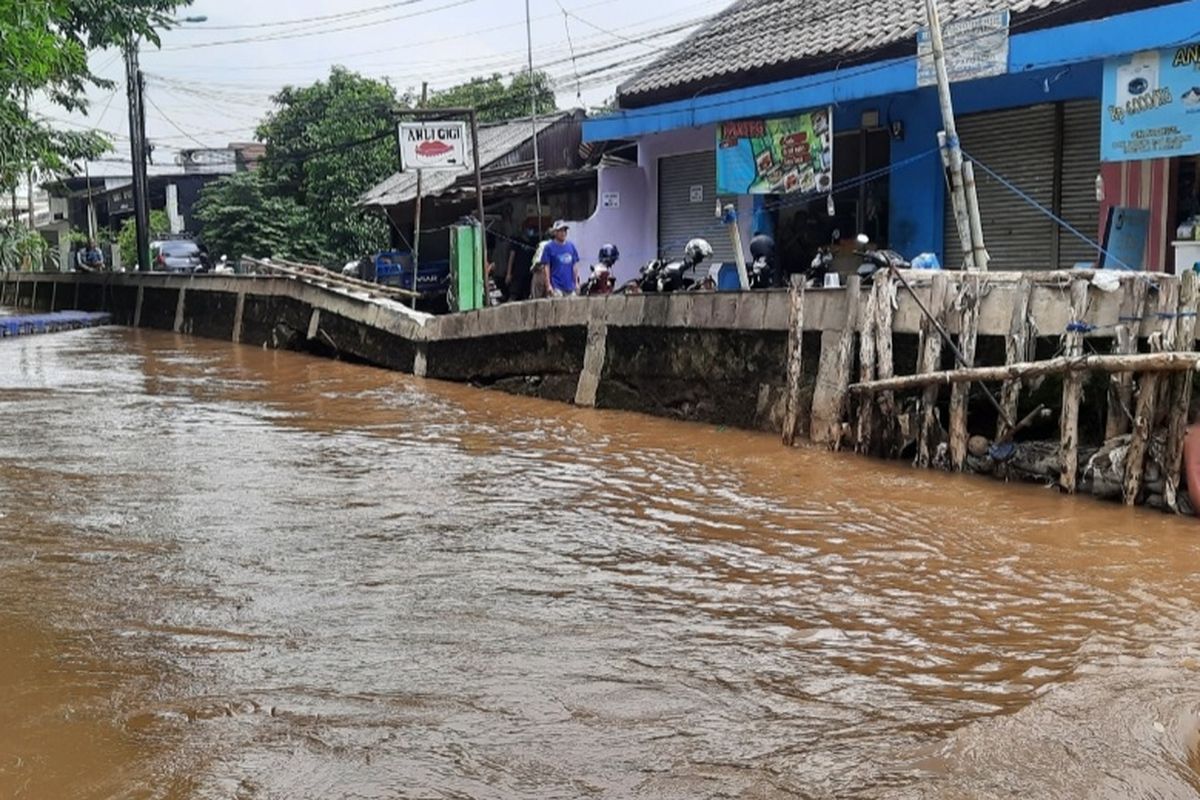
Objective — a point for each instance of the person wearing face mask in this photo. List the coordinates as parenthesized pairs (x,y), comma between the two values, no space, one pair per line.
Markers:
(519,273)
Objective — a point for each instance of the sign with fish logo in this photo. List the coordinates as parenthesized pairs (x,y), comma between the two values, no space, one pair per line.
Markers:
(776,156)
(1151,105)
(433,145)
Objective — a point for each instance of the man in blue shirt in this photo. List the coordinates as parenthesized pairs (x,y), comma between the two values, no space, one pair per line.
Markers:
(562,260)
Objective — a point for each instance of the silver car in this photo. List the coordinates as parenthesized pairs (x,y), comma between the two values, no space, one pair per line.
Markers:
(176,255)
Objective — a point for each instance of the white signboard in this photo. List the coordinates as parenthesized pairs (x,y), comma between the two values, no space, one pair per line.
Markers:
(610,200)
(976,47)
(433,145)
(696,194)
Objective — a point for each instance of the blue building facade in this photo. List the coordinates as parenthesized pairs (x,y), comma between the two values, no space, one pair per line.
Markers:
(1037,127)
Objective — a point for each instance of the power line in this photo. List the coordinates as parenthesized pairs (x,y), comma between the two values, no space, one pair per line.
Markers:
(283,23)
(321,31)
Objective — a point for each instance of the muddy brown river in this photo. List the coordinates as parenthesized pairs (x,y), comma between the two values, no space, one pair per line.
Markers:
(232,573)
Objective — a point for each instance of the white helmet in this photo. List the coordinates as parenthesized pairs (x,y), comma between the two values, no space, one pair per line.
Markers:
(697,250)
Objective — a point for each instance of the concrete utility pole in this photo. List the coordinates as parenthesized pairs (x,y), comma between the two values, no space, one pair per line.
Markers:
(416,242)
(537,164)
(962,189)
(137,146)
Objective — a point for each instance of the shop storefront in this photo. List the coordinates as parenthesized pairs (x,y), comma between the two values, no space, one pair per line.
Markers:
(1034,117)
(1150,143)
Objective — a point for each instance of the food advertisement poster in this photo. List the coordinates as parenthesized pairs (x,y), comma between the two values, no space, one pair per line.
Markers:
(776,156)
(1151,105)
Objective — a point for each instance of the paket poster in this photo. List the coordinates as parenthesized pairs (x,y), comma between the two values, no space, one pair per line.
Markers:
(1151,105)
(776,156)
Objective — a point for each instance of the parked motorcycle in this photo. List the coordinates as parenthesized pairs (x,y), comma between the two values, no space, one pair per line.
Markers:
(822,263)
(876,260)
(673,276)
(602,279)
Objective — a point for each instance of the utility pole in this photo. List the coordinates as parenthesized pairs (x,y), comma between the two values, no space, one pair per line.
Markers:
(137,143)
(416,242)
(966,206)
(537,162)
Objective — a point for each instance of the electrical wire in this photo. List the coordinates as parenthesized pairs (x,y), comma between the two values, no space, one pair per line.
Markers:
(304,20)
(319,32)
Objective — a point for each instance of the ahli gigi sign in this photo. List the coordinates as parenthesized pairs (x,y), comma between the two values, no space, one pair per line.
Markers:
(1151,105)
(776,156)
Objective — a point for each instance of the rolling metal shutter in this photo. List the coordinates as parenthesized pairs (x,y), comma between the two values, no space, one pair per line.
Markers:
(1080,165)
(1020,145)
(681,216)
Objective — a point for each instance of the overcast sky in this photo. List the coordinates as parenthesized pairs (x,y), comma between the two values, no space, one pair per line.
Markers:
(211,82)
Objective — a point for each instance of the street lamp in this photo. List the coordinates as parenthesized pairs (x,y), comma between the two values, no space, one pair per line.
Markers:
(135,85)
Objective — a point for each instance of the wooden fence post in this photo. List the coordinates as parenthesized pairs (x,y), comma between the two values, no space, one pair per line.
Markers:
(1147,394)
(1180,393)
(868,314)
(1120,386)
(968,303)
(845,361)
(1016,348)
(885,366)
(931,359)
(1072,390)
(795,363)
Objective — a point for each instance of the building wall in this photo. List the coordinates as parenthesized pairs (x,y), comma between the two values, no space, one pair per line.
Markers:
(918,194)
(634,226)
(1148,185)
(622,225)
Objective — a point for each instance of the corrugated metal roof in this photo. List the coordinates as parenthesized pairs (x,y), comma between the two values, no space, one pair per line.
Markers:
(761,35)
(495,142)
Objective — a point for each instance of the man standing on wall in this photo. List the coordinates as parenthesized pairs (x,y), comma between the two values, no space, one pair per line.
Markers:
(561,260)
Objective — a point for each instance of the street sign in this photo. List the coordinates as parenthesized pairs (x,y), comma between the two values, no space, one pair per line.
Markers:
(976,47)
(433,145)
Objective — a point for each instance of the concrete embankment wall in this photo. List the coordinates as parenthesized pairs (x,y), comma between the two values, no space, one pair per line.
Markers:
(711,358)
(718,358)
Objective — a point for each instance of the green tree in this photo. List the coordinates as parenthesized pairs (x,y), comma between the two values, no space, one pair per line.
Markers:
(239,217)
(326,144)
(496,100)
(44,45)
(160,225)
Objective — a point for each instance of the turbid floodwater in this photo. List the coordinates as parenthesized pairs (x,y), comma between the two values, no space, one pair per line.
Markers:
(233,573)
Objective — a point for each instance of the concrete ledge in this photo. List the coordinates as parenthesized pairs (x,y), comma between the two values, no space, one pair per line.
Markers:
(759,310)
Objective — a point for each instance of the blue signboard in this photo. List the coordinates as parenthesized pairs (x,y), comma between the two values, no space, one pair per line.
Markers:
(1152,105)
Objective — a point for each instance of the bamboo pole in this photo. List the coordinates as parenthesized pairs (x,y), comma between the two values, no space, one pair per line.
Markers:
(795,363)
(1072,392)
(931,358)
(1147,402)
(960,392)
(1137,362)
(867,312)
(1015,352)
(1180,393)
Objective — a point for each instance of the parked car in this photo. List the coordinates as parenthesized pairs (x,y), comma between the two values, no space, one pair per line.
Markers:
(178,255)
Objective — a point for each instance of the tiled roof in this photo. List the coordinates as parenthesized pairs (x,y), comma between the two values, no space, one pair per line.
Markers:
(765,35)
(495,142)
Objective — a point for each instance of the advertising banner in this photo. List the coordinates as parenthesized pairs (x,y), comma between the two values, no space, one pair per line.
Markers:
(776,156)
(433,145)
(976,47)
(1151,105)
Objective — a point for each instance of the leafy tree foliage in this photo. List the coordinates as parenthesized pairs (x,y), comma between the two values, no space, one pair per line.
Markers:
(160,224)
(326,144)
(44,46)
(240,217)
(496,100)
